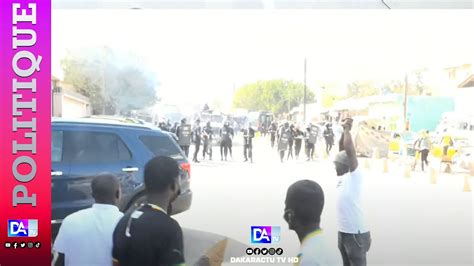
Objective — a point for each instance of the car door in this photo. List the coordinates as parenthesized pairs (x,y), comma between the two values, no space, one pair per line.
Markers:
(59,169)
(90,152)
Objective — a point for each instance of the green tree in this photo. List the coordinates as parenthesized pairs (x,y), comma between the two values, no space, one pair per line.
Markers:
(114,82)
(277,96)
(360,89)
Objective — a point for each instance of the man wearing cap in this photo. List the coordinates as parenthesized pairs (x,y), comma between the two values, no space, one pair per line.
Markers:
(304,204)
(354,238)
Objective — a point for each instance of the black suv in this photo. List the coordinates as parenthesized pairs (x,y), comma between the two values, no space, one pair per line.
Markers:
(85,147)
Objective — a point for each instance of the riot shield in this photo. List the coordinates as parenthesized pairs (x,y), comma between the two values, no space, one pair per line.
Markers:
(283,142)
(184,135)
(313,135)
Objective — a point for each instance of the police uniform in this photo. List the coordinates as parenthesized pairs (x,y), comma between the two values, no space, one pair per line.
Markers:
(329,137)
(283,139)
(225,141)
(249,134)
(273,133)
(291,139)
(197,140)
(311,138)
(230,142)
(207,141)
(183,132)
(298,136)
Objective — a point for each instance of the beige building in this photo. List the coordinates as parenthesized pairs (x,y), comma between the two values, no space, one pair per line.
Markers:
(67,102)
(464,96)
(457,82)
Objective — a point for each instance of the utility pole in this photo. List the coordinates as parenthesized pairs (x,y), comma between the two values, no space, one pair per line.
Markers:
(304,98)
(289,96)
(405,102)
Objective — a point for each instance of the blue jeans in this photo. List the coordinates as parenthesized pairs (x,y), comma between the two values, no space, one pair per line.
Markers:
(354,248)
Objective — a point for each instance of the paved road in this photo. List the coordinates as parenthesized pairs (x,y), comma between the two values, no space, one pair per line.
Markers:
(412,221)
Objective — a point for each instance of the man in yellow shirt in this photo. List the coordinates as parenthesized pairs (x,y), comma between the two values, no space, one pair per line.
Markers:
(446,141)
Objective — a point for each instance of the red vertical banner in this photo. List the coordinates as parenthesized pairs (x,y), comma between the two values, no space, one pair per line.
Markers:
(25,132)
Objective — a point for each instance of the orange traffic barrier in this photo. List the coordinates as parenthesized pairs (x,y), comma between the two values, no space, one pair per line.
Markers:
(433,176)
(385,165)
(407,172)
(467,186)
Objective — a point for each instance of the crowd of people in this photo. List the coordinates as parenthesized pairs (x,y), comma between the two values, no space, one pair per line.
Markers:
(147,235)
(187,134)
(422,146)
(290,139)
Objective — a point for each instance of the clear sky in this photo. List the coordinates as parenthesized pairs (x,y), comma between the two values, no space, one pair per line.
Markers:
(203,53)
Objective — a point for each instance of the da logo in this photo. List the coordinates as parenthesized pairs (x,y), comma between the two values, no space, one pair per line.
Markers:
(264,234)
(23,228)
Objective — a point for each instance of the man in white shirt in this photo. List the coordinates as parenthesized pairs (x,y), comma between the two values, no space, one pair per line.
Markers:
(354,238)
(85,237)
(303,207)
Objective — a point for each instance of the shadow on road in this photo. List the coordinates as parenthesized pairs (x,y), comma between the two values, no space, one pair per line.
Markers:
(199,243)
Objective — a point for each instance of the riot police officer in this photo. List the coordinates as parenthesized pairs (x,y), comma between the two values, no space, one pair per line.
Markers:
(291,141)
(249,134)
(328,137)
(163,126)
(183,132)
(207,141)
(283,139)
(231,129)
(273,132)
(312,133)
(174,129)
(226,135)
(298,136)
(197,140)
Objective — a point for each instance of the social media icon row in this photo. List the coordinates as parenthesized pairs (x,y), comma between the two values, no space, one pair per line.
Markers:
(23,245)
(264,234)
(264,251)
